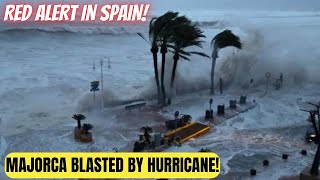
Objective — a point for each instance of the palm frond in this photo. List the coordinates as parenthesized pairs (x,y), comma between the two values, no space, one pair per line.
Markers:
(172,51)
(142,36)
(184,57)
(176,33)
(197,43)
(79,117)
(87,127)
(146,129)
(161,25)
(187,35)
(184,52)
(226,38)
(200,54)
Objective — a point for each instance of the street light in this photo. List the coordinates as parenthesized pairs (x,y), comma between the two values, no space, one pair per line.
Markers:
(101,65)
(102,103)
(101,72)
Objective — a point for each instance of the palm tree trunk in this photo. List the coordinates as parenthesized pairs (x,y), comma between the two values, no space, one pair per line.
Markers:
(79,124)
(163,89)
(156,73)
(214,57)
(173,76)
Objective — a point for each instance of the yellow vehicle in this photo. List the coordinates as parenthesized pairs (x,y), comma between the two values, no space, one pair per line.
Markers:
(185,133)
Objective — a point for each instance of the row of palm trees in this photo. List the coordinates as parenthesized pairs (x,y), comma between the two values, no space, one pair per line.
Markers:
(174,33)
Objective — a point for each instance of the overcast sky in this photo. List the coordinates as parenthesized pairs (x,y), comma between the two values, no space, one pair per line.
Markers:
(238,4)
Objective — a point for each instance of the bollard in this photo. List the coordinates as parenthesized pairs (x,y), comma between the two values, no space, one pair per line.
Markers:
(220,110)
(284,156)
(243,99)
(253,172)
(233,104)
(304,152)
(211,114)
(207,114)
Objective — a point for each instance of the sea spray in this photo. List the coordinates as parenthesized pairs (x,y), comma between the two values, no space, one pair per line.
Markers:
(88,103)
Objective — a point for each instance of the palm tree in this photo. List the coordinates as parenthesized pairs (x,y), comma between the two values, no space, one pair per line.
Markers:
(87,128)
(185,35)
(146,133)
(186,119)
(78,118)
(167,21)
(158,37)
(224,39)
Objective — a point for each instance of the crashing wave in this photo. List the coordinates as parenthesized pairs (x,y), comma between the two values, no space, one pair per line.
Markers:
(81,30)
(213,24)
(98,29)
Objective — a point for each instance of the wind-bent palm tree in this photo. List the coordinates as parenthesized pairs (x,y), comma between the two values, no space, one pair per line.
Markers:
(185,35)
(224,39)
(159,37)
(146,133)
(79,118)
(167,21)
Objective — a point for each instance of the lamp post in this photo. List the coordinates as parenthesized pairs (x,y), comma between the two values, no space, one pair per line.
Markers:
(314,171)
(101,79)
(102,100)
